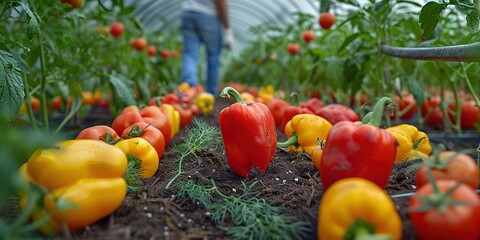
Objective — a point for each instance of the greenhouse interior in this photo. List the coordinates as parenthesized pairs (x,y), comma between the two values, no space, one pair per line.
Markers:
(240,119)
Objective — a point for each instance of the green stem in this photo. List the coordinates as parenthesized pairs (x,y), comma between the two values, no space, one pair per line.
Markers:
(179,171)
(293,140)
(28,104)
(295,99)
(43,81)
(469,85)
(375,117)
(458,53)
(228,92)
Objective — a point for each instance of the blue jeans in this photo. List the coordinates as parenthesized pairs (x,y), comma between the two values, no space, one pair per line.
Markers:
(198,28)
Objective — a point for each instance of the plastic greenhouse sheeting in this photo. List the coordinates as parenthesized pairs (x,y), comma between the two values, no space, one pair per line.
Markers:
(164,15)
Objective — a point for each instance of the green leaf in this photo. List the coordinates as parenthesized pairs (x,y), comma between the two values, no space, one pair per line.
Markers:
(334,71)
(416,90)
(430,16)
(33,27)
(123,88)
(11,85)
(350,39)
(473,20)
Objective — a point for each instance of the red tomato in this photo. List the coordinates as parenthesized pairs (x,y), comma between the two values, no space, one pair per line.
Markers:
(154,116)
(174,53)
(73,3)
(56,103)
(459,221)
(165,53)
(151,134)
(293,48)
(35,103)
(151,50)
(116,29)
(468,113)
(431,111)
(97,132)
(407,105)
(461,167)
(140,43)
(326,20)
(308,35)
(104,103)
(125,119)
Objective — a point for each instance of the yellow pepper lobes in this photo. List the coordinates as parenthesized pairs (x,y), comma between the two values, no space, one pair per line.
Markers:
(73,160)
(79,204)
(411,142)
(267,93)
(303,132)
(143,150)
(173,116)
(82,180)
(205,102)
(355,207)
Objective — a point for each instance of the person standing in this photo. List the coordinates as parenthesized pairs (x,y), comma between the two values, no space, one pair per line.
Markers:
(204,22)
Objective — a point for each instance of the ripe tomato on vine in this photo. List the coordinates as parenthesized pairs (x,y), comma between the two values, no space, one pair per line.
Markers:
(326,20)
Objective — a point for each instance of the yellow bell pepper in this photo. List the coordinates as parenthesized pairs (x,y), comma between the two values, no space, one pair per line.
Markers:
(79,204)
(184,86)
(354,207)
(73,160)
(205,102)
(143,150)
(82,180)
(246,96)
(267,93)
(173,116)
(411,142)
(303,132)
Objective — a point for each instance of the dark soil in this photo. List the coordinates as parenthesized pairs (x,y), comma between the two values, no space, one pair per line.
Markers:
(290,182)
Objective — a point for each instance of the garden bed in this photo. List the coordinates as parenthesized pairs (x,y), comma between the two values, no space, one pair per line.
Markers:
(291,182)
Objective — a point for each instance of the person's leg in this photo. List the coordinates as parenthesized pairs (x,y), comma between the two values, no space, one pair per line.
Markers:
(191,49)
(211,33)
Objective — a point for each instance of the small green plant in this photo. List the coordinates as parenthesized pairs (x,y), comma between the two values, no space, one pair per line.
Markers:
(253,218)
(199,138)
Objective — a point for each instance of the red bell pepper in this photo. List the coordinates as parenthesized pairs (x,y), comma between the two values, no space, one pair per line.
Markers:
(313,104)
(335,113)
(248,132)
(291,111)
(277,106)
(355,149)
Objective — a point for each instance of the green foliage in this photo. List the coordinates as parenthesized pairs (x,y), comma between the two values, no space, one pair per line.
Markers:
(199,138)
(11,85)
(430,17)
(253,218)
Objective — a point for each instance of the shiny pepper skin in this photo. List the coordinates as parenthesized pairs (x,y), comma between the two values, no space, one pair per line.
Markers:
(72,160)
(205,102)
(143,150)
(249,134)
(354,206)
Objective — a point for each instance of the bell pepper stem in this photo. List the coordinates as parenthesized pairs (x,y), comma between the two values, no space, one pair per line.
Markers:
(293,140)
(375,117)
(227,92)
